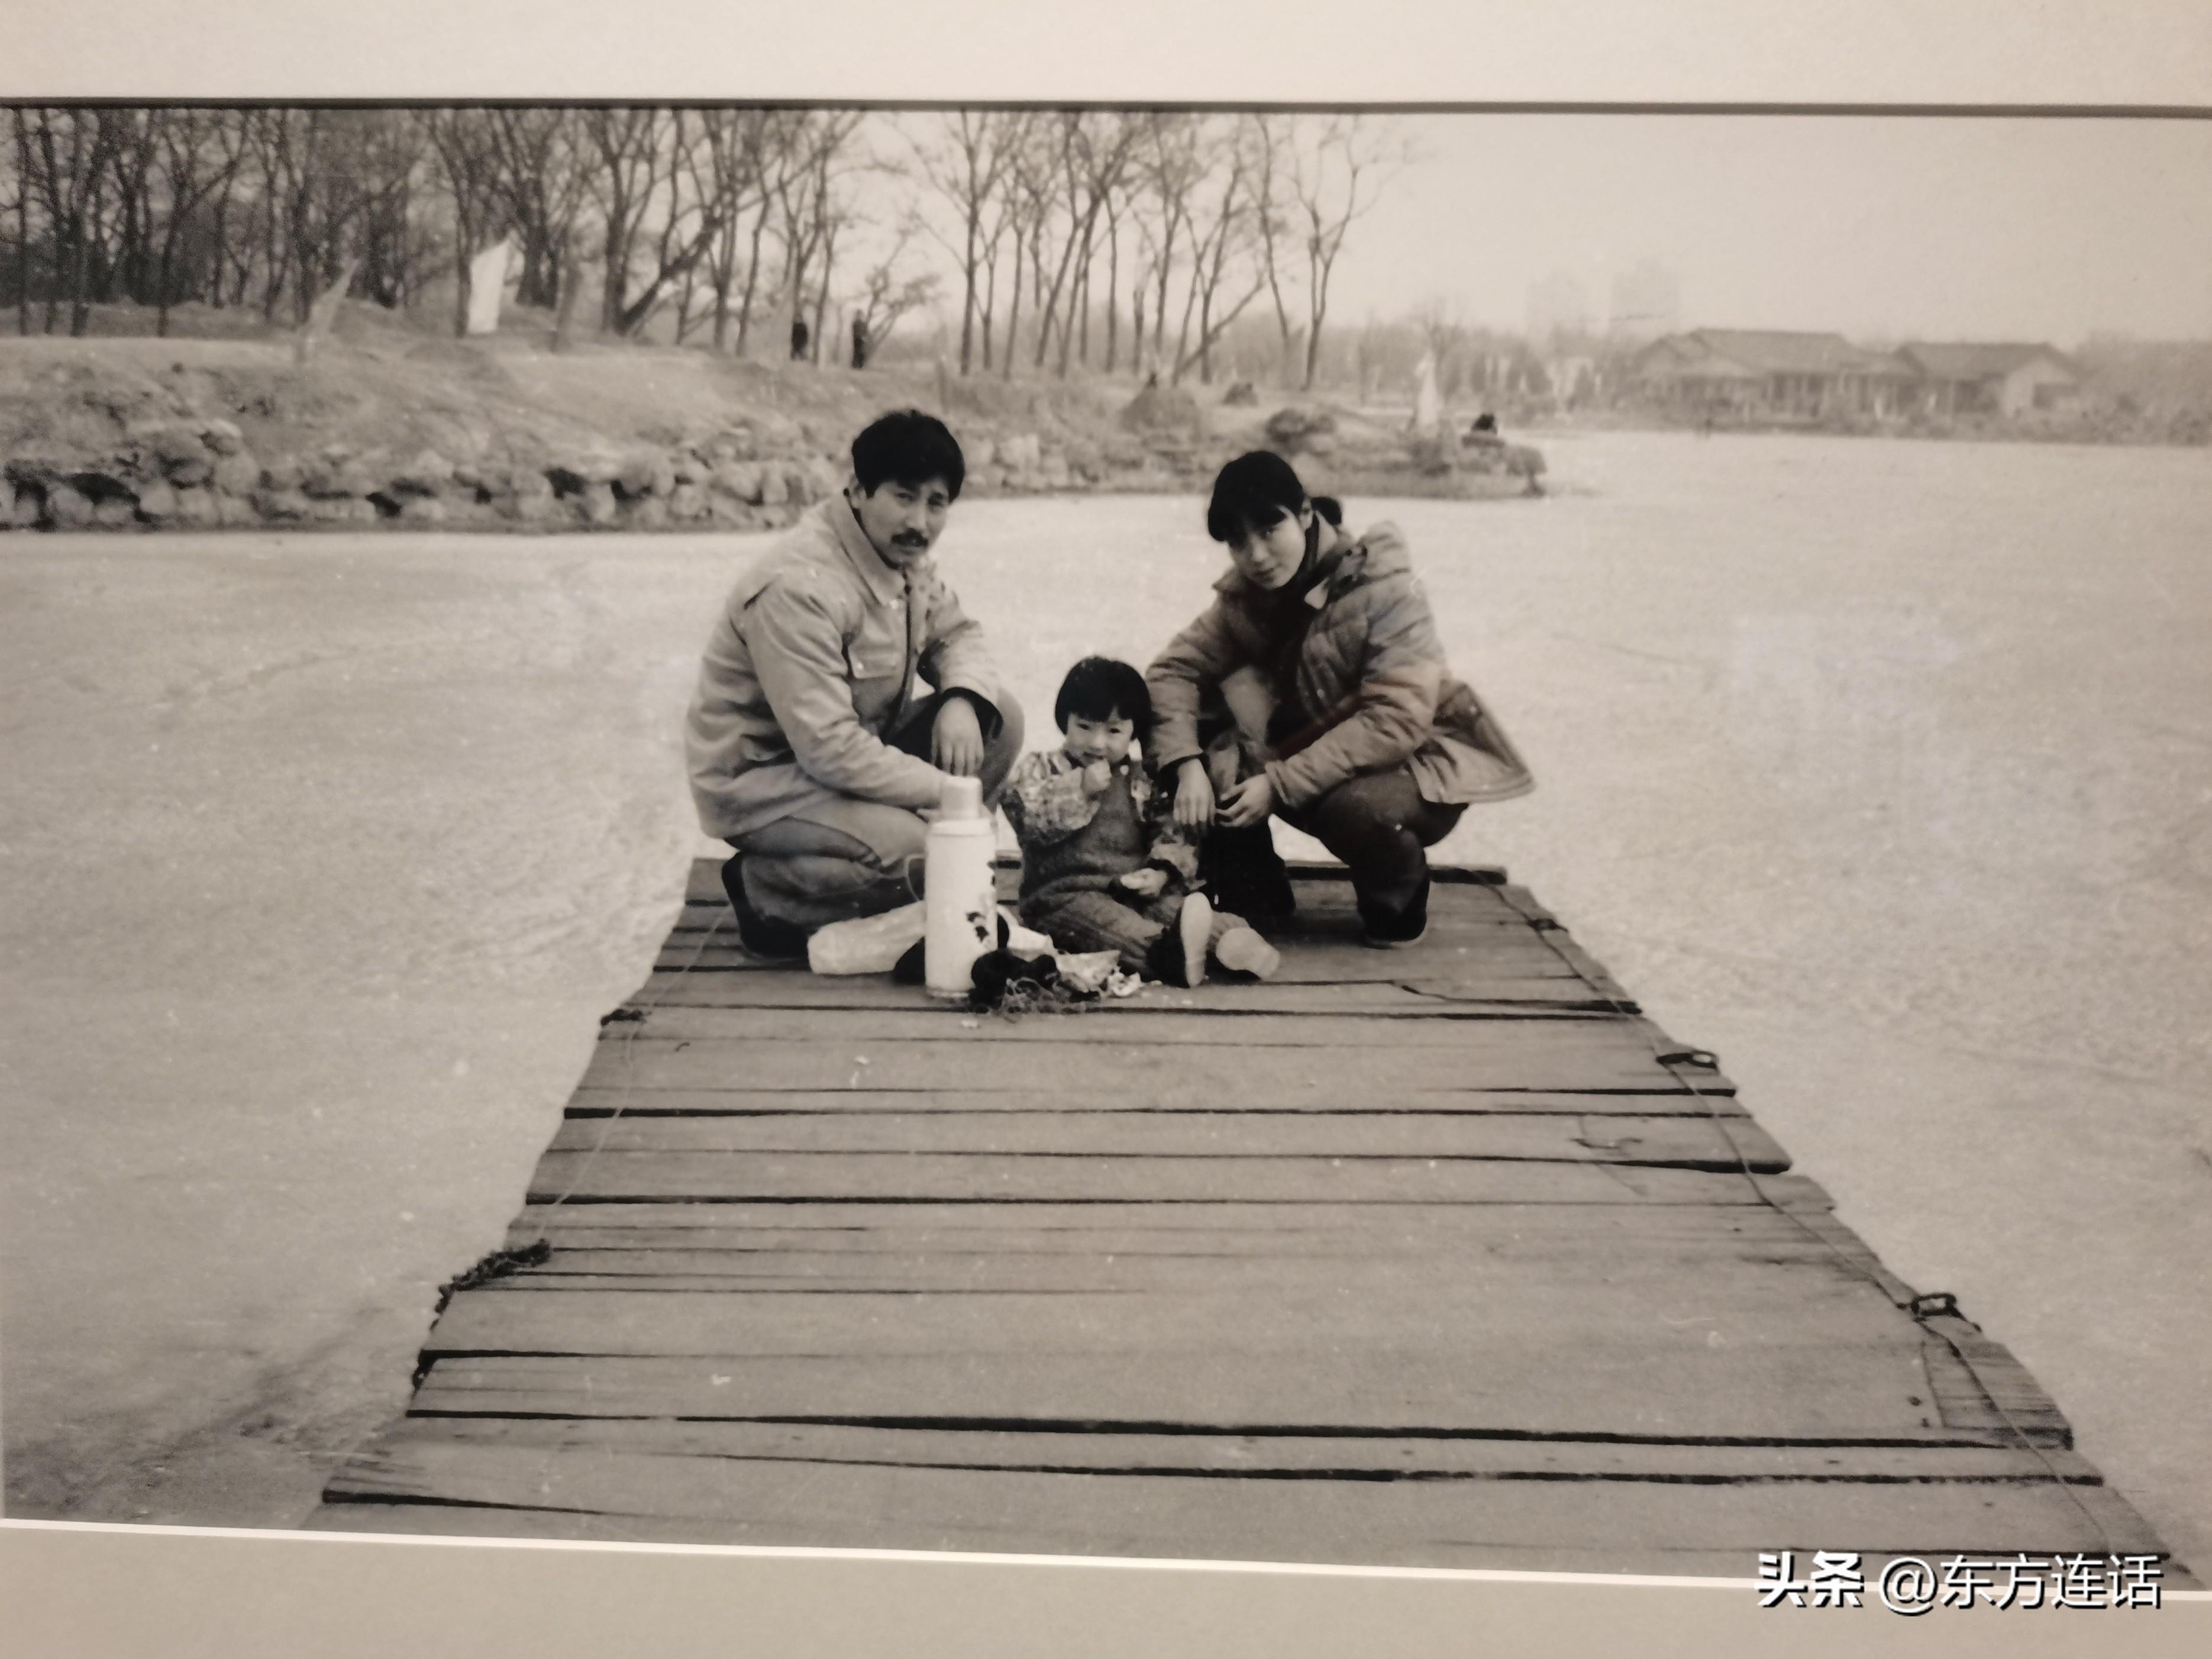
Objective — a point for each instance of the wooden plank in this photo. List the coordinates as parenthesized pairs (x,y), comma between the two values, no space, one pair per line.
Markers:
(1539,1382)
(831,1177)
(1093,1093)
(1449,1310)
(403,1461)
(1382,999)
(1148,1024)
(1571,1231)
(1667,1141)
(1194,1072)
(1977,1383)
(1277,1519)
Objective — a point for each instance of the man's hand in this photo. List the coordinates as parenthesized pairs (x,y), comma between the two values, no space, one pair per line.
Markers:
(1193,801)
(1247,803)
(1097,777)
(1149,881)
(956,739)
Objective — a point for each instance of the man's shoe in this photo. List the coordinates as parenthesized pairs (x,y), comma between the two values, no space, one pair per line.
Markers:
(765,936)
(1406,928)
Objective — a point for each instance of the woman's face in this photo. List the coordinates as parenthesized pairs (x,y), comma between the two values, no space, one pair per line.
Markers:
(1271,557)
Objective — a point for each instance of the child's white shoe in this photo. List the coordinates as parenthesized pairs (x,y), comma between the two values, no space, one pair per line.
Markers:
(1244,952)
(1194,928)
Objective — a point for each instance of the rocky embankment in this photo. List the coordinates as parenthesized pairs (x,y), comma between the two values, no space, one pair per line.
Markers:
(103,438)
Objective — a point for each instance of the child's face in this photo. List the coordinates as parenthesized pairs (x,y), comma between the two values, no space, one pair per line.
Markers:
(1087,740)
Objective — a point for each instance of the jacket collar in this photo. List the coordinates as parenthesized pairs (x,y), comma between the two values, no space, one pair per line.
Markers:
(887,583)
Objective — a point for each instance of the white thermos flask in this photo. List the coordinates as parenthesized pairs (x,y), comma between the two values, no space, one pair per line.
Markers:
(960,898)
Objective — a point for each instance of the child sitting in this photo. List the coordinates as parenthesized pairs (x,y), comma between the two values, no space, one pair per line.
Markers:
(1103,866)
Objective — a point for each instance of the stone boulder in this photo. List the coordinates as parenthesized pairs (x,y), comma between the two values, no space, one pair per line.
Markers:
(114,513)
(337,478)
(196,508)
(596,504)
(687,503)
(67,507)
(428,474)
(236,472)
(282,505)
(645,475)
(1163,409)
(157,502)
(423,509)
(1242,395)
(1297,431)
(223,438)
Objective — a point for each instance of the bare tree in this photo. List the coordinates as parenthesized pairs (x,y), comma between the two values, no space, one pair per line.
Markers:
(968,165)
(545,175)
(466,144)
(1338,169)
(201,153)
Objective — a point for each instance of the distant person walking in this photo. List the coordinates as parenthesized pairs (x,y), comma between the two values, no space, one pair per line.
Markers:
(801,337)
(860,340)
(812,749)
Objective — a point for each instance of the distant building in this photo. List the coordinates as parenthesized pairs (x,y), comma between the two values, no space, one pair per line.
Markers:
(1776,374)
(1785,375)
(2004,380)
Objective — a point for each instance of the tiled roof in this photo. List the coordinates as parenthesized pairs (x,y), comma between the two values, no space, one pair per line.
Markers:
(1976,361)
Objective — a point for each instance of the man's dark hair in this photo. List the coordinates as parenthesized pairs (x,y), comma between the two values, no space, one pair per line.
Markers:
(909,447)
(1099,687)
(1256,490)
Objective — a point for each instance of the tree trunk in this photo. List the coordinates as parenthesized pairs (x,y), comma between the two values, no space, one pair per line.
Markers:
(752,278)
(23,226)
(968,294)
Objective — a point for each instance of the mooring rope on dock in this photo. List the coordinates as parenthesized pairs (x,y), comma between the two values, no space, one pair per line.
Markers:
(1920,1309)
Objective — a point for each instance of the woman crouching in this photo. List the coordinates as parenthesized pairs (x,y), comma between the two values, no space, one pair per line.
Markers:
(1315,690)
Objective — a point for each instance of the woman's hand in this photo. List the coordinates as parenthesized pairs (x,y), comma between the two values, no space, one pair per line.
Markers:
(1247,803)
(1193,801)
(956,739)
(1150,881)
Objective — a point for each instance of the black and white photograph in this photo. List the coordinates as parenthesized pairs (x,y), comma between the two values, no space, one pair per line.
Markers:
(1354,836)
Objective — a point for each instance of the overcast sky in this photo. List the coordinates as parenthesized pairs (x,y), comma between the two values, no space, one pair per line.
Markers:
(1970,228)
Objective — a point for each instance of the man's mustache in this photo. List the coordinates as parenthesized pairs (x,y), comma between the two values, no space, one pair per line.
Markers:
(909,538)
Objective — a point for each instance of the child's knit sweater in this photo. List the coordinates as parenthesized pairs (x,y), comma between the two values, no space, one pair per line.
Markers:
(1072,841)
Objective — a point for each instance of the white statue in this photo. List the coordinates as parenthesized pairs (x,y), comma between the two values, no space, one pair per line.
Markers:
(1428,407)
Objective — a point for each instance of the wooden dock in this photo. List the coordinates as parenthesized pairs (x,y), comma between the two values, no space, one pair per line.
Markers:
(1441,1256)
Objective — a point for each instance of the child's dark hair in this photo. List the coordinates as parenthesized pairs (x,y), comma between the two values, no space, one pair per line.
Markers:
(1099,687)
(910,448)
(1256,490)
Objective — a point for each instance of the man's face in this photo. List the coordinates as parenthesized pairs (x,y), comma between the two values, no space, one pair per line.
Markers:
(902,521)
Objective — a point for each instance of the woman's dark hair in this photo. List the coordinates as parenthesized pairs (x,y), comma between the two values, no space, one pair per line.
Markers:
(1099,687)
(909,447)
(1256,489)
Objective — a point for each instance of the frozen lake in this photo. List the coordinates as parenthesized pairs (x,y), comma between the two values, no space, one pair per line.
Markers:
(1882,769)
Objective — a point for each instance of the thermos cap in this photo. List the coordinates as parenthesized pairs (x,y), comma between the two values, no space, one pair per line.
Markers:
(962,798)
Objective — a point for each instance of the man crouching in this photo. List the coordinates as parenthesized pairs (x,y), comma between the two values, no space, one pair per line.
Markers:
(810,751)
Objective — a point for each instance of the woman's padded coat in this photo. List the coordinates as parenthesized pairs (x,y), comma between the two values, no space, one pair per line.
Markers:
(1358,659)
